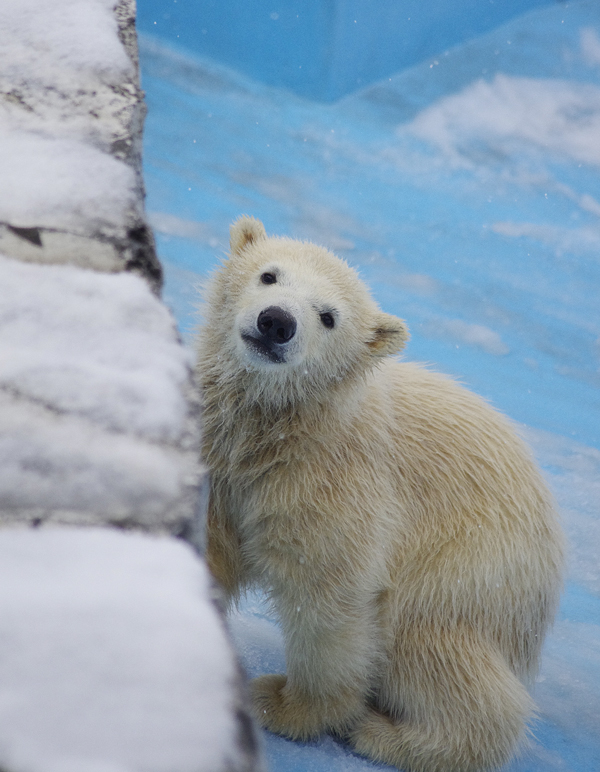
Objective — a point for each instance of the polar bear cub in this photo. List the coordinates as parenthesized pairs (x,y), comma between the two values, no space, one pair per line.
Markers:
(400,527)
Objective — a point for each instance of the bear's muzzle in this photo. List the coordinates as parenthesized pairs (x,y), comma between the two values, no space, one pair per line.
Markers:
(275,327)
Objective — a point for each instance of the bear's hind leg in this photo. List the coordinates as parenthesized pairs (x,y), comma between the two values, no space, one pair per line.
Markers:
(461,709)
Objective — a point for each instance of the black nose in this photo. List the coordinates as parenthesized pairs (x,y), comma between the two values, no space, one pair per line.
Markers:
(276,325)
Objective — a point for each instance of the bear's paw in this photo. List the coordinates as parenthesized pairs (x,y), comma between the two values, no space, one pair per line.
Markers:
(287,712)
(280,712)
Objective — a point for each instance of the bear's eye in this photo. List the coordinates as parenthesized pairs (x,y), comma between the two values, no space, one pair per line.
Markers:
(268,278)
(327,319)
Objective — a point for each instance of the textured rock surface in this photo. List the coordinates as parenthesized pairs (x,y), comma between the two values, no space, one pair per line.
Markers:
(111,660)
(113,654)
(99,419)
(71,114)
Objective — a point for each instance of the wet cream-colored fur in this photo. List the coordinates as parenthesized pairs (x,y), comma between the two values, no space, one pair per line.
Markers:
(400,527)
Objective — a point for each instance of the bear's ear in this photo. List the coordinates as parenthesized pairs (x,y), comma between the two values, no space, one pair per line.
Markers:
(245,231)
(389,334)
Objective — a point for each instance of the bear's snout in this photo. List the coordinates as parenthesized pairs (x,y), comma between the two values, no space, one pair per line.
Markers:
(276,325)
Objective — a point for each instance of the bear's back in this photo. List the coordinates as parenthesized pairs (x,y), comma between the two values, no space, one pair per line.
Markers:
(456,447)
(480,537)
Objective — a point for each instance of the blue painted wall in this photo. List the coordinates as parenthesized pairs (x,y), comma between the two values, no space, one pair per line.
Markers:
(323,49)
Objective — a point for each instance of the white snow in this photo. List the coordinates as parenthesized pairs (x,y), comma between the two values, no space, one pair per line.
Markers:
(590,46)
(112,657)
(419,283)
(552,116)
(100,346)
(568,695)
(171,225)
(574,476)
(62,183)
(589,204)
(470,334)
(50,463)
(92,379)
(564,240)
(74,38)
(68,83)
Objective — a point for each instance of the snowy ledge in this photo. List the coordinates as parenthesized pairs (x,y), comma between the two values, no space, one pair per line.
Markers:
(71,114)
(98,420)
(113,656)
(97,414)
(110,658)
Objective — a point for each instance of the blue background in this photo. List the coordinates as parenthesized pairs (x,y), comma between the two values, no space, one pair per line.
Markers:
(323,49)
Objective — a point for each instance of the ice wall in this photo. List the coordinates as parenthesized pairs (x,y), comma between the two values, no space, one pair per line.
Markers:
(323,49)
(113,656)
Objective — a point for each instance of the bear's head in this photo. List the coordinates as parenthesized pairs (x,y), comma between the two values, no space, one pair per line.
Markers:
(295,314)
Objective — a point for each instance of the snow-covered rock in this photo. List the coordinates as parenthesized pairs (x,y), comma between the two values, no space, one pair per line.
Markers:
(71,114)
(111,657)
(97,410)
(98,421)
(113,653)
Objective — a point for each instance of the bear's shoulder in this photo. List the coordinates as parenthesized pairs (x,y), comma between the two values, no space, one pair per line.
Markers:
(425,402)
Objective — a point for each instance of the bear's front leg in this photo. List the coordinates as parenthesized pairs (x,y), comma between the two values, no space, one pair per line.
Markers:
(330,655)
(223,552)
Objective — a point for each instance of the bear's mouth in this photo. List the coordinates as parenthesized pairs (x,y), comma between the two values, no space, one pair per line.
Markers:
(263,349)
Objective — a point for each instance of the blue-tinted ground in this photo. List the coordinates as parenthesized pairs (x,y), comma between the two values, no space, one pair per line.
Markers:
(467,192)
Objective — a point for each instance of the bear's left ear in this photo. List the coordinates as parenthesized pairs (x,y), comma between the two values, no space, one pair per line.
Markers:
(389,335)
(245,231)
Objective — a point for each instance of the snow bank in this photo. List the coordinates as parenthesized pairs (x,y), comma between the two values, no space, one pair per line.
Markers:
(590,46)
(30,29)
(96,420)
(70,136)
(563,240)
(189,229)
(62,184)
(112,658)
(99,346)
(471,334)
(550,115)
(98,417)
(574,473)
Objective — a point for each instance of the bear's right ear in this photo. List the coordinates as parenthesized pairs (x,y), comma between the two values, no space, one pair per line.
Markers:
(245,231)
